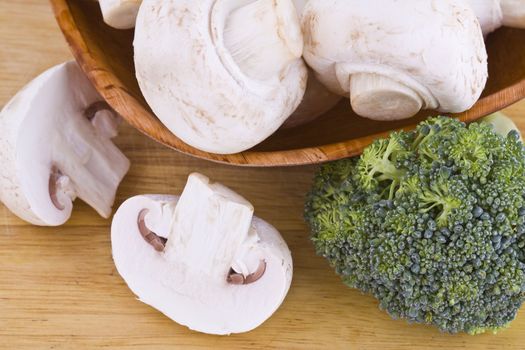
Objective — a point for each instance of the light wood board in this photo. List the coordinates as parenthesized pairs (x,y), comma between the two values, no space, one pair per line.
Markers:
(59,288)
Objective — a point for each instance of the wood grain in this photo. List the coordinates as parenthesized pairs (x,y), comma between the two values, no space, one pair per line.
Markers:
(106,56)
(59,288)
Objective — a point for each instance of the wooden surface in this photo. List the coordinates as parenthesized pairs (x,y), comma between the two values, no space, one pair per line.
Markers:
(105,54)
(59,288)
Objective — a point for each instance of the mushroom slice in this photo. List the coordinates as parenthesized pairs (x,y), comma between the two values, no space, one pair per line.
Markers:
(120,14)
(222,75)
(394,58)
(56,145)
(219,271)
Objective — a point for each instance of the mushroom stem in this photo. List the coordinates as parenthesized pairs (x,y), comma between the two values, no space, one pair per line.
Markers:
(377,97)
(264,37)
(513,13)
(87,165)
(211,224)
(103,118)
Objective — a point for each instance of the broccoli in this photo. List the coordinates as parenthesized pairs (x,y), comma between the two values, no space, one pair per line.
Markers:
(430,222)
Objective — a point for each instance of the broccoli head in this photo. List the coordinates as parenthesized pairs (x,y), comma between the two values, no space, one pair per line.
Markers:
(431,222)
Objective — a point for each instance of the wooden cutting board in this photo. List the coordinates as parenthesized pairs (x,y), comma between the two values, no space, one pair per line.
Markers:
(59,288)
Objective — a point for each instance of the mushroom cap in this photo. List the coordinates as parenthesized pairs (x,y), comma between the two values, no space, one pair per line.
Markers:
(435,48)
(193,84)
(299,5)
(489,14)
(513,13)
(502,124)
(120,14)
(317,101)
(187,292)
(43,127)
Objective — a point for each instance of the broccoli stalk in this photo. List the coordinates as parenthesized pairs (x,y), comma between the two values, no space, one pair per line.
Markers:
(431,222)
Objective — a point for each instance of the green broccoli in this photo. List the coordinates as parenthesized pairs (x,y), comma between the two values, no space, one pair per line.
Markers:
(431,222)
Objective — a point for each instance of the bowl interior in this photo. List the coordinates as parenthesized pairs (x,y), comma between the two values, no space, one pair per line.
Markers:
(106,55)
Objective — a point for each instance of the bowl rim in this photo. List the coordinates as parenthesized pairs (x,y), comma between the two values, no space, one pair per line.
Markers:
(114,96)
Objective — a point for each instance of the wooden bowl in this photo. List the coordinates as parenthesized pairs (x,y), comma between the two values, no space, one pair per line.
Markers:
(106,56)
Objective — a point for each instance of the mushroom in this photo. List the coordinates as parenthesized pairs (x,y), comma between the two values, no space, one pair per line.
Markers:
(395,58)
(493,14)
(299,5)
(55,146)
(221,75)
(502,124)
(120,14)
(317,99)
(202,259)
(513,13)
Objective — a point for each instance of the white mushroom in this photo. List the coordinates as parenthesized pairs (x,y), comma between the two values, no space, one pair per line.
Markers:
(317,99)
(513,13)
(502,124)
(55,146)
(493,14)
(221,75)
(299,5)
(120,14)
(397,57)
(489,14)
(202,259)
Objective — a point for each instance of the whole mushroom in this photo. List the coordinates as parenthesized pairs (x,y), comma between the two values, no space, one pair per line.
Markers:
(317,99)
(55,145)
(502,124)
(395,58)
(221,75)
(202,259)
(120,14)
(493,14)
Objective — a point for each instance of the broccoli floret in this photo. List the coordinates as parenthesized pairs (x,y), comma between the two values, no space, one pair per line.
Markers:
(431,222)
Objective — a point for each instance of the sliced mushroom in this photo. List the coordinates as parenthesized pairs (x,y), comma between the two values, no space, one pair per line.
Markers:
(55,146)
(219,270)
(396,57)
(493,14)
(120,14)
(221,75)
